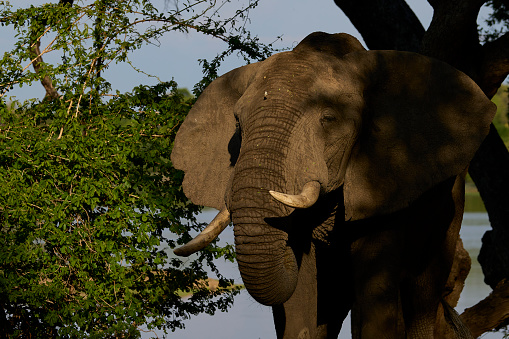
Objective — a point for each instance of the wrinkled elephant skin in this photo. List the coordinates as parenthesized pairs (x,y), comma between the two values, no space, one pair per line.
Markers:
(342,171)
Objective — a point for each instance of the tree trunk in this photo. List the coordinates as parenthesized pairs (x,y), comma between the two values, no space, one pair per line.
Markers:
(372,20)
(453,38)
(490,169)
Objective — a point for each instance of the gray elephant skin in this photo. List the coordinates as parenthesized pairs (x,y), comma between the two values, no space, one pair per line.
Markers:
(342,171)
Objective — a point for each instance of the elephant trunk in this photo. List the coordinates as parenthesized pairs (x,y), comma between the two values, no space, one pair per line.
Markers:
(266,262)
(269,175)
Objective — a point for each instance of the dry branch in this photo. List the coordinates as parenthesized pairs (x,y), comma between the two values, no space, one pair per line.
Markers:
(489,313)
(35,53)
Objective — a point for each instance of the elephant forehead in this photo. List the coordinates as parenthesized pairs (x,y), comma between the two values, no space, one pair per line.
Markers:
(290,69)
(296,84)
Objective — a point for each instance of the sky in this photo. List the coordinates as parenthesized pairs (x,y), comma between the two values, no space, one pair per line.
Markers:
(177,56)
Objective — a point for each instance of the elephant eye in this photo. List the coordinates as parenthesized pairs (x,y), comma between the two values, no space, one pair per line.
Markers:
(237,124)
(327,118)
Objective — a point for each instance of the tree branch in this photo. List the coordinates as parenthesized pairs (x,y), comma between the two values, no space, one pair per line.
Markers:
(35,54)
(452,35)
(494,67)
(384,24)
(490,313)
(488,169)
(452,4)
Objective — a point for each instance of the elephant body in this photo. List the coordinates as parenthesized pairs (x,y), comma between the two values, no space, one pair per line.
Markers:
(391,270)
(342,171)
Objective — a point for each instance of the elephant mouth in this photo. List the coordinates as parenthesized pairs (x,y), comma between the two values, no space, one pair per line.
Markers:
(265,254)
(307,198)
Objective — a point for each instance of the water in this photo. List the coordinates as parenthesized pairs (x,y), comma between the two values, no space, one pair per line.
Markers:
(249,320)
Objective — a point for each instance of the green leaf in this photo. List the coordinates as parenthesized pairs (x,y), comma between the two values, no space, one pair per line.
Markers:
(88,196)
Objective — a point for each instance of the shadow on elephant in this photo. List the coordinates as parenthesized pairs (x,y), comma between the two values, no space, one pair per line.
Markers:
(342,171)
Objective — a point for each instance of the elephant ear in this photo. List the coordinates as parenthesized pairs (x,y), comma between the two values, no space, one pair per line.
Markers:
(207,145)
(422,124)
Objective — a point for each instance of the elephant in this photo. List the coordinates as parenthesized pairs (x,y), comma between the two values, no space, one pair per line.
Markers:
(342,171)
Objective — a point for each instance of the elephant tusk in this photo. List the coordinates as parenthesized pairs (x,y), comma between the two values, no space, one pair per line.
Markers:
(216,226)
(305,199)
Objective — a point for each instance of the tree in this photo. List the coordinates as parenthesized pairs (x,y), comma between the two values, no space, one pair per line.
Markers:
(87,190)
(454,37)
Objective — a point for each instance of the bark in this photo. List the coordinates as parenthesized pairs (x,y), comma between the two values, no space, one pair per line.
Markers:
(35,54)
(384,24)
(453,38)
(452,35)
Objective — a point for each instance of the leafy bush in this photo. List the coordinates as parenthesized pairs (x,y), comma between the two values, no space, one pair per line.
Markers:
(84,202)
(89,201)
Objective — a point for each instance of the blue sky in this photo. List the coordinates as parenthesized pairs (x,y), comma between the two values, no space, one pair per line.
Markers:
(178,54)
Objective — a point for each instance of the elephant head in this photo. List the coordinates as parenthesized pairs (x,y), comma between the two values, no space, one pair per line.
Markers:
(270,137)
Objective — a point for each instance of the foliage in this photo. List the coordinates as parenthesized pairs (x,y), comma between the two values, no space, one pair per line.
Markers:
(84,204)
(501,120)
(89,200)
(498,21)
